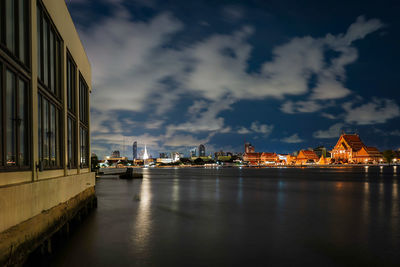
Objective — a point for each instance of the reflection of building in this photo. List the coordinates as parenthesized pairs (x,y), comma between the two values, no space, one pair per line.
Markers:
(115,154)
(202,150)
(134,150)
(44,120)
(350,149)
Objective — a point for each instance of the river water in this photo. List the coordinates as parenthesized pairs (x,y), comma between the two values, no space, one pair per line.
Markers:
(241,217)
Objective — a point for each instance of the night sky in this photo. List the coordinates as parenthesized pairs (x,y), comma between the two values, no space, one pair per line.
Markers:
(282,75)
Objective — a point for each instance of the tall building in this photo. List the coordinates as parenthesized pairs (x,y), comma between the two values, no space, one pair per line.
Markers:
(202,150)
(134,150)
(193,152)
(145,155)
(45,84)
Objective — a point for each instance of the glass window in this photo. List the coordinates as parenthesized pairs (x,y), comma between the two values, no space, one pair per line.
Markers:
(71,84)
(10,119)
(45,53)
(49,138)
(39,40)
(14,28)
(22,122)
(84,147)
(49,98)
(22,31)
(49,62)
(10,25)
(14,131)
(71,143)
(83,98)
(84,122)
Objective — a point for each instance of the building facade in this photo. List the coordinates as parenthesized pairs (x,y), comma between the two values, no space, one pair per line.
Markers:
(202,150)
(306,157)
(134,151)
(45,84)
(350,149)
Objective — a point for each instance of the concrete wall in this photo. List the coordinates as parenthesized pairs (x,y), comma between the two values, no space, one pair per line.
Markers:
(21,202)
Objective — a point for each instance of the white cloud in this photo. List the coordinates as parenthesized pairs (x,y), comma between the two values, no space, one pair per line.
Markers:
(292,139)
(261,128)
(376,111)
(185,140)
(328,115)
(243,130)
(135,69)
(333,131)
(232,13)
(309,106)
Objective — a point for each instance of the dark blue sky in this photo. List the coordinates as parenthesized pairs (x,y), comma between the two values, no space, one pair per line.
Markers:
(283,75)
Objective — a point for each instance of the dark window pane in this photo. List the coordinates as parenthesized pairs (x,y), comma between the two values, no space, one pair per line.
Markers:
(39,42)
(1,112)
(22,120)
(10,119)
(52,72)
(52,135)
(46,132)
(22,17)
(10,25)
(40,132)
(57,138)
(45,53)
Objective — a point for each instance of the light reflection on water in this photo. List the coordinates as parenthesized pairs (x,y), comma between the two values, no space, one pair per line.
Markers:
(142,227)
(189,217)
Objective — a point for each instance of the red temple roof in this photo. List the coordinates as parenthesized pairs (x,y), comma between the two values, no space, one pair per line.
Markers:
(354,141)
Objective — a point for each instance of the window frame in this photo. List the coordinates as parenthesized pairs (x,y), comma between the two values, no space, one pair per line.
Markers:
(57,92)
(71,112)
(53,96)
(4,67)
(4,50)
(83,120)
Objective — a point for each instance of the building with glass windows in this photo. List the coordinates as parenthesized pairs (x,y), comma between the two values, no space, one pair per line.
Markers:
(45,82)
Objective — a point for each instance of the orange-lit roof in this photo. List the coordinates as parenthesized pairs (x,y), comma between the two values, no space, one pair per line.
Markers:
(354,141)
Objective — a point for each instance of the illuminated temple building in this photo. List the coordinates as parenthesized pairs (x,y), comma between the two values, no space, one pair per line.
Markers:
(306,156)
(258,158)
(350,149)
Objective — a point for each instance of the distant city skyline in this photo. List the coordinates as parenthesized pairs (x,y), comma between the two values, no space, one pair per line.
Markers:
(284,75)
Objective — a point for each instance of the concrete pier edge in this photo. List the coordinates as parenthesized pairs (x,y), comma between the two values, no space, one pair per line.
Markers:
(19,241)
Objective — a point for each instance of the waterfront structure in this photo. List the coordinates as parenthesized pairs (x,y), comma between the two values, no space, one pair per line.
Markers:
(134,151)
(260,158)
(306,156)
(248,148)
(115,154)
(350,149)
(45,81)
(202,150)
(322,151)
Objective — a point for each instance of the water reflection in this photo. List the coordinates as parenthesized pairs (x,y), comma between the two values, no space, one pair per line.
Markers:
(217,189)
(240,190)
(142,226)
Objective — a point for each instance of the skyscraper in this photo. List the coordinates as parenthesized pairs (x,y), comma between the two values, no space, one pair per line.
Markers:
(193,152)
(134,150)
(202,150)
